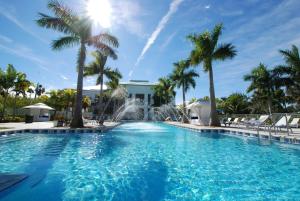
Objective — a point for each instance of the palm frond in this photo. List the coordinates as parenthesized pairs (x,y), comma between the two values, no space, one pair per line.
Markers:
(106,39)
(66,41)
(224,51)
(91,70)
(54,23)
(196,57)
(215,34)
(62,11)
(105,48)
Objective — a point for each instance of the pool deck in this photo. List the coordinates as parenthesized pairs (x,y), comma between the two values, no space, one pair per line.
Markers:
(281,136)
(49,126)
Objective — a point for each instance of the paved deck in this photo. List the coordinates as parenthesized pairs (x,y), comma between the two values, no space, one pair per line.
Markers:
(47,125)
(294,135)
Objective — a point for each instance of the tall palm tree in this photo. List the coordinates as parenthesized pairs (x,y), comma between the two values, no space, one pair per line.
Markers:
(98,67)
(206,50)
(264,84)
(184,78)
(290,72)
(164,91)
(78,31)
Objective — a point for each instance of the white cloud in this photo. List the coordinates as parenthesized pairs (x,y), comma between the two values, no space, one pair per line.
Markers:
(127,15)
(10,15)
(63,77)
(168,40)
(5,39)
(161,25)
(207,7)
(26,53)
(130,73)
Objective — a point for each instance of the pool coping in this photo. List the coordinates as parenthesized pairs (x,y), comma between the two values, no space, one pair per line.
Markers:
(238,132)
(221,130)
(59,130)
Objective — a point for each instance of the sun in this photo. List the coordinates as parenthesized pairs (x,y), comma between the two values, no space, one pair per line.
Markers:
(100,12)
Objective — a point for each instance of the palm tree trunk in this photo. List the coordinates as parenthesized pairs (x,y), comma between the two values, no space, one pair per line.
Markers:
(214,119)
(77,121)
(15,103)
(184,118)
(4,106)
(101,112)
(270,103)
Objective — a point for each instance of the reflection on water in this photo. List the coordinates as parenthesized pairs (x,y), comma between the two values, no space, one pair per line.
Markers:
(149,161)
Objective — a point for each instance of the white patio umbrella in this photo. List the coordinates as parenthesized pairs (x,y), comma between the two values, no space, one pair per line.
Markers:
(40,106)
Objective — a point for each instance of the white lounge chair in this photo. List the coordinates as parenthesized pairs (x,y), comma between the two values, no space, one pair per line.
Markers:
(228,121)
(294,123)
(282,123)
(261,122)
(235,121)
(90,122)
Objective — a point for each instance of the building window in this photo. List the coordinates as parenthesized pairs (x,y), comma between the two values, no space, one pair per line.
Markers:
(141,97)
(130,95)
(149,98)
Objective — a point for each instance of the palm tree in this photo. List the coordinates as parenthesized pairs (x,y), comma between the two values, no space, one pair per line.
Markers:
(290,72)
(264,84)
(98,67)
(86,102)
(206,50)
(184,78)
(68,99)
(7,82)
(164,91)
(39,90)
(78,31)
(21,86)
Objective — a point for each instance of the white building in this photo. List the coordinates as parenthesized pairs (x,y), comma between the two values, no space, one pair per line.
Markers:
(92,91)
(140,90)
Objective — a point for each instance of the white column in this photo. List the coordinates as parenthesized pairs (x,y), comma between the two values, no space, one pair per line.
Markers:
(146,105)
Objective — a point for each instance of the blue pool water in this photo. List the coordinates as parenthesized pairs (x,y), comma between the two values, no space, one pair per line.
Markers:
(149,161)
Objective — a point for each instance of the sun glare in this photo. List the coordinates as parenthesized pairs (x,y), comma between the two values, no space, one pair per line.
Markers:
(100,12)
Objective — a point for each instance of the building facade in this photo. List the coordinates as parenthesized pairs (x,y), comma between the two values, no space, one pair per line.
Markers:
(139,92)
(139,97)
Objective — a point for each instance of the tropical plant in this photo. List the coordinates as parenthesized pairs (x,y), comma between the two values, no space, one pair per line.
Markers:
(290,73)
(183,78)
(86,102)
(236,103)
(164,91)
(264,85)
(21,87)
(68,99)
(7,82)
(193,100)
(55,100)
(78,31)
(206,50)
(98,67)
(39,90)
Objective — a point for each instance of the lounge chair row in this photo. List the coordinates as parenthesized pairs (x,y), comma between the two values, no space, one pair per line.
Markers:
(283,122)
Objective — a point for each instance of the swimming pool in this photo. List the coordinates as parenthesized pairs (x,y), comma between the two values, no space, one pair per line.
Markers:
(149,161)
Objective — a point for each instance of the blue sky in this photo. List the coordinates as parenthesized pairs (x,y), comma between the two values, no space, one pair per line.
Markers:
(152,35)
